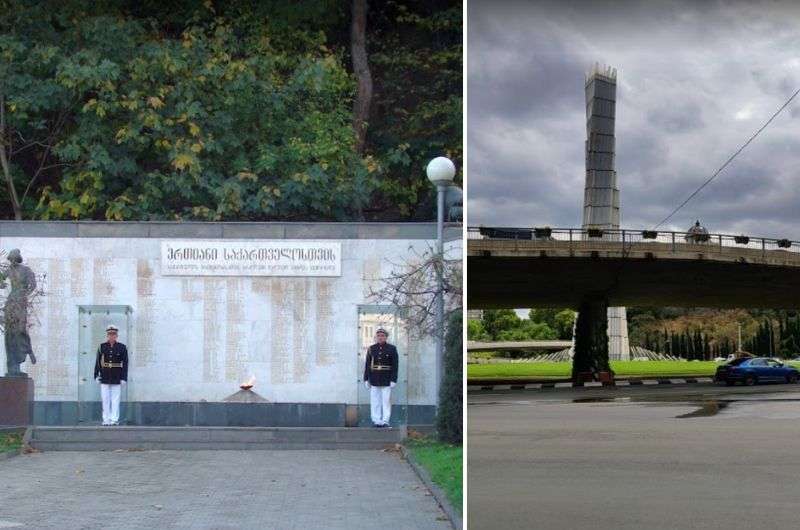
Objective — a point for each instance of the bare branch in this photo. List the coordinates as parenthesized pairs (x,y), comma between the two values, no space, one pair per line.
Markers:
(412,287)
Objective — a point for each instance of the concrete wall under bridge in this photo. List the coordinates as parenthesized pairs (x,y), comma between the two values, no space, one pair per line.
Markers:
(508,273)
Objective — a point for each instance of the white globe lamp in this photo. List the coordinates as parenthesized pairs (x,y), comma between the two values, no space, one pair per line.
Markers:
(441,171)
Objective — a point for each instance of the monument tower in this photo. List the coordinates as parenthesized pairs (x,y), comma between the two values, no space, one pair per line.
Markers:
(601,194)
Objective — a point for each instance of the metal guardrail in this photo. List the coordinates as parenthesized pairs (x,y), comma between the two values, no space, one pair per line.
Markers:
(626,236)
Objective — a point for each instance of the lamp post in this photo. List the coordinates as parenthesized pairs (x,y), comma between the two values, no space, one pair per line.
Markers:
(441,171)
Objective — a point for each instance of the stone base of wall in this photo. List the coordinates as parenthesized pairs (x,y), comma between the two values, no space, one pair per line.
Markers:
(220,414)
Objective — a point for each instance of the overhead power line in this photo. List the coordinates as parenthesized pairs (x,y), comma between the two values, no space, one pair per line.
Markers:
(717,172)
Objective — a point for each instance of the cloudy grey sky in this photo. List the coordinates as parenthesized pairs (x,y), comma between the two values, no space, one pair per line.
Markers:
(695,80)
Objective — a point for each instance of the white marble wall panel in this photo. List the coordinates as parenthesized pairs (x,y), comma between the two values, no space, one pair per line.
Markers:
(197,338)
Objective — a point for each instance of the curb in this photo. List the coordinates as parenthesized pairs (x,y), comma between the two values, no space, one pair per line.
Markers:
(453,516)
(594,384)
(95,438)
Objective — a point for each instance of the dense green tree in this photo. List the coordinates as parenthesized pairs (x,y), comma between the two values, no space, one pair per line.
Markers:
(505,325)
(544,315)
(216,111)
(449,423)
(562,321)
(496,321)
(565,323)
(476,331)
(527,330)
(415,51)
(714,332)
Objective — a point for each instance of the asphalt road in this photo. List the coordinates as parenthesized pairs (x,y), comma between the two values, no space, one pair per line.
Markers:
(699,457)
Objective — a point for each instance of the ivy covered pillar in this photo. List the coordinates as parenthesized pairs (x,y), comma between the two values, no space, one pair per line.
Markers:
(590,360)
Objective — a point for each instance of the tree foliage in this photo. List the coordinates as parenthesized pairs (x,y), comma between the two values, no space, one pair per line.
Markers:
(506,325)
(591,340)
(700,333)
(561,321)
(476,331)
(449,424)
(417,108)
(221,111)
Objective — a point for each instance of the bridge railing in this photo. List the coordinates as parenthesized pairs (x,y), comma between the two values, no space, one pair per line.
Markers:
(677,240)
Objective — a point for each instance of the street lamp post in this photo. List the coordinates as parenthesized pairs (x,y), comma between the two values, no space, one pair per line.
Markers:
(441,171)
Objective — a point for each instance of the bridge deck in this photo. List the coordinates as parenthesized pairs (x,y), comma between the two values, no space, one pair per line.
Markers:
(556,273)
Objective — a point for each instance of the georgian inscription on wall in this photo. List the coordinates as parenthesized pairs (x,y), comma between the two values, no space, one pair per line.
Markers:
(251,258)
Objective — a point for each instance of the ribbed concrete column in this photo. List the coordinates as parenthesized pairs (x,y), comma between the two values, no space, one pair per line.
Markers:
(601,207)
(618,345)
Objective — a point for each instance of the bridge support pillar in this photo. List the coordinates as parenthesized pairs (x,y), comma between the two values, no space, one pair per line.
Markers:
(618,346)
(591,338)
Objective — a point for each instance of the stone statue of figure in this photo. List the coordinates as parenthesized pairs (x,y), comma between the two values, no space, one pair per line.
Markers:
(22,282)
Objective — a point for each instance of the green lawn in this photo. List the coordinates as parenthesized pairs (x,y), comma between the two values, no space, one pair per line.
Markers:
(443,463)
(10,442)
(545,370)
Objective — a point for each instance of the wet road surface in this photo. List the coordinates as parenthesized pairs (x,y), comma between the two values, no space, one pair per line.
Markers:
(699,456)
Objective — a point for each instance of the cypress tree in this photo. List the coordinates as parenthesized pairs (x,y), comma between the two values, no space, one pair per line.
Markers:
(449,423)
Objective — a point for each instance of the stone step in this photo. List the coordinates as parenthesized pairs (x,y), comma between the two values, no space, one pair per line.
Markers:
(92,438)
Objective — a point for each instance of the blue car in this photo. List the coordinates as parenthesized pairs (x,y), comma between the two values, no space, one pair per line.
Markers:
(754,370)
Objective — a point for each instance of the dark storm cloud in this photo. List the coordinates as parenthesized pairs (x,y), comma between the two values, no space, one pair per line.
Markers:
(696,79)
(524,86)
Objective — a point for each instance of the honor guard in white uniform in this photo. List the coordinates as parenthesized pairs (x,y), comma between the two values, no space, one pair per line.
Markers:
(380,376)
(111,371)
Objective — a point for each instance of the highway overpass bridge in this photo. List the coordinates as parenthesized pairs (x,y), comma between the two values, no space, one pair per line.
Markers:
(549,267)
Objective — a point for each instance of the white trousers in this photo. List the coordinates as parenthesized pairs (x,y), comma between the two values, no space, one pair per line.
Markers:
(110,395)
(380,404)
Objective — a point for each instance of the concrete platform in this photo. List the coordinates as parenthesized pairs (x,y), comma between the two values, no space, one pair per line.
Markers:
(98,438)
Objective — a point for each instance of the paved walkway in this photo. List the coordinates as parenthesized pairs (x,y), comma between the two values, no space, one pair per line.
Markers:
(214,490)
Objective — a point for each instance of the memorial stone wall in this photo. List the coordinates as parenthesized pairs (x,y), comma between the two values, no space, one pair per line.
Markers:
(214,304)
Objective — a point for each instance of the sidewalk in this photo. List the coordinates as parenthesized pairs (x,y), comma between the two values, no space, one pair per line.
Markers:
(215,490)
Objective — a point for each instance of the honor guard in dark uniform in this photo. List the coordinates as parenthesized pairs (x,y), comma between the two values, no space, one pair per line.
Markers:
(380,376)
(111,370)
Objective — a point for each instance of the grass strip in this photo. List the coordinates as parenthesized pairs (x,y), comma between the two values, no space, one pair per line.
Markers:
(443,462)
(562,370)
(10,442)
